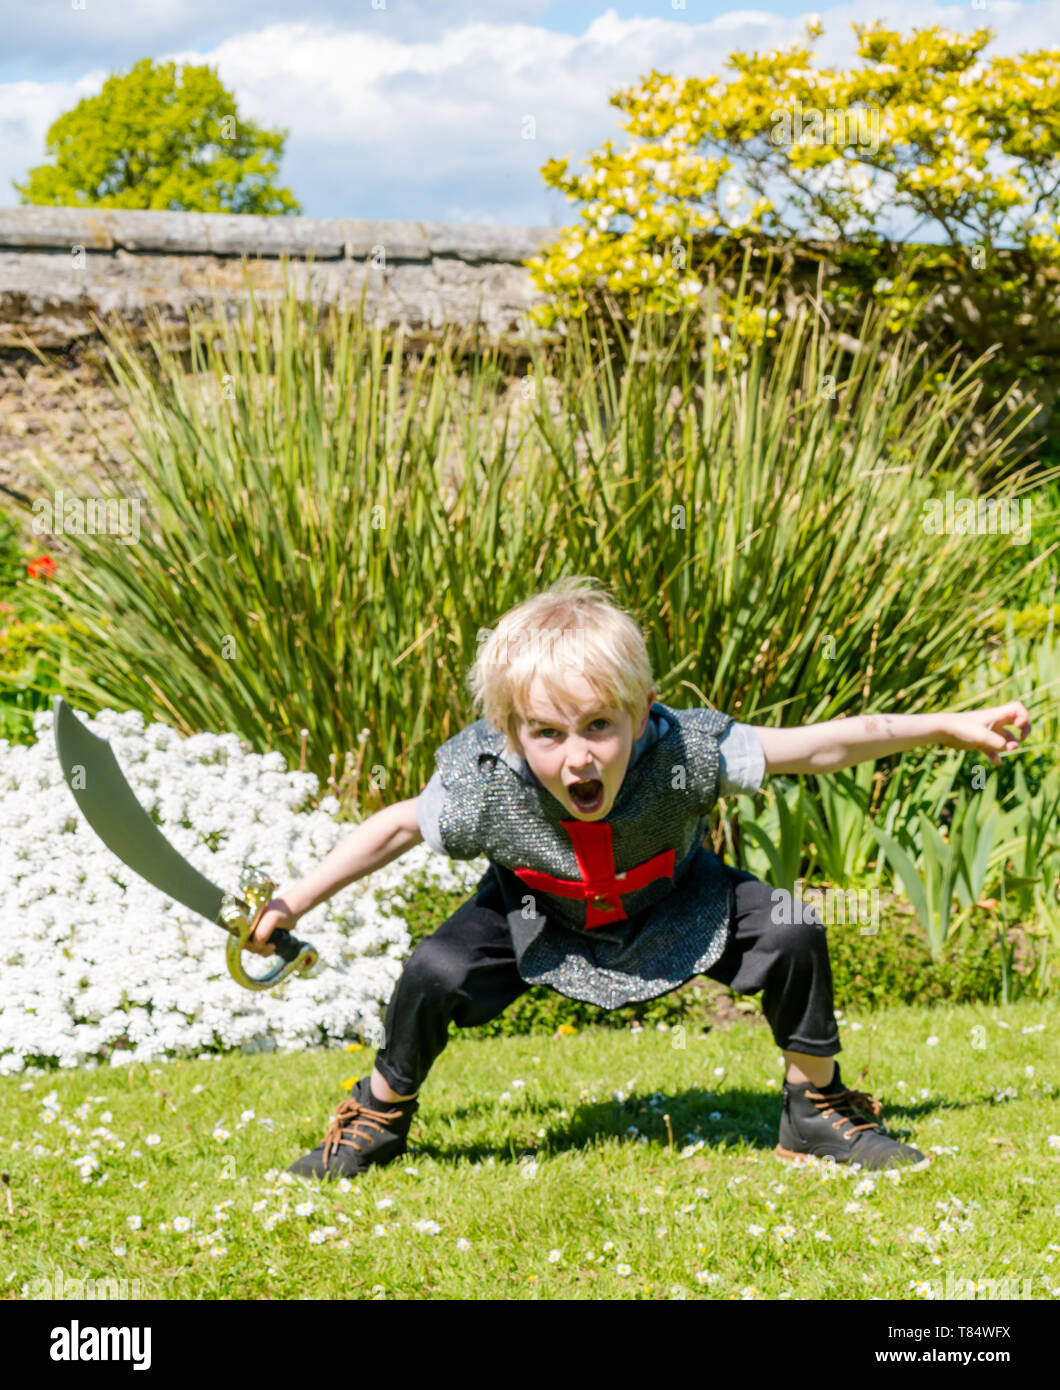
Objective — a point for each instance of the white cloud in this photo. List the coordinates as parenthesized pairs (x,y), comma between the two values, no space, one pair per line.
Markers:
(391,120)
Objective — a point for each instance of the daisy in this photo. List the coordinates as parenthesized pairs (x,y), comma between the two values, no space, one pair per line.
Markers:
(705,1277)
(463,1244)
(430,1228)
(755,1230)
(784,1232)
(554,1255)
(384,1202)
(153,1139)
(181,1224)
(134,1222)
(304,1209)
(623,1270)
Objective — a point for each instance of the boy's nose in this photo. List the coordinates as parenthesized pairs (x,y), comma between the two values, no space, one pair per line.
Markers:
(583,769)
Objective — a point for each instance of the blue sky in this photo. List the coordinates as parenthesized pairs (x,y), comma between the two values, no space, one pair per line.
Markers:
(415,110)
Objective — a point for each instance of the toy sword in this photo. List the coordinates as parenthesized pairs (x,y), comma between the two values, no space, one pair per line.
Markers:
(110,806)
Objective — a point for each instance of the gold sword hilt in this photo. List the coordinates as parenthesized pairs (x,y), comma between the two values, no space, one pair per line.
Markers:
(239,916)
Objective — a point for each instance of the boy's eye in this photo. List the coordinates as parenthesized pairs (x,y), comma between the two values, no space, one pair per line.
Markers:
(549,733)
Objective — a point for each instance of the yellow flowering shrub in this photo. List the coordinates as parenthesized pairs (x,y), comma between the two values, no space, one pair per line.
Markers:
(965,148)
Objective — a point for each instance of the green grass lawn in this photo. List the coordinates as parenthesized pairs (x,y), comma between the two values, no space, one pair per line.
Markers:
(542,1167)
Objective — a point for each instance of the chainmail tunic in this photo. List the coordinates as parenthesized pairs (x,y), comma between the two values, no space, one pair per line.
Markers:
(580,931)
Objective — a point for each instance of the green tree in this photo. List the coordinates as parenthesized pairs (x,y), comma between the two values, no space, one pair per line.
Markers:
(163,138)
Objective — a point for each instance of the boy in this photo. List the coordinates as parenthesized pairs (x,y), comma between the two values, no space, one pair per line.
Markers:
(591,802)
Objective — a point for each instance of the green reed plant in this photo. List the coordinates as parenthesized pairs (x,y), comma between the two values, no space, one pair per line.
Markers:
(838,808)
(953,866)
(329,520)
(1037,843)
(795,826)
(929,884)
(779,834)
(1026,668)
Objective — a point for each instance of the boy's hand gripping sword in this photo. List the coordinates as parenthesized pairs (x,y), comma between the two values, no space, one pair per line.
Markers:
(112,810)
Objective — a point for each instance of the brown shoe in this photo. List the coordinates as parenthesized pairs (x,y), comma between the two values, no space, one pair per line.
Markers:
(364,1133)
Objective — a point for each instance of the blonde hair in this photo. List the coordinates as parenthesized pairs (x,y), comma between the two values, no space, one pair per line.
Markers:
(570,628)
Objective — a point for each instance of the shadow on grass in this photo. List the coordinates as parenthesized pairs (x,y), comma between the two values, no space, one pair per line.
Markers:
(725,1123)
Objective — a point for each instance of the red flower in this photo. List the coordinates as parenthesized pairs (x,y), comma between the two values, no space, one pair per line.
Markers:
(44,566)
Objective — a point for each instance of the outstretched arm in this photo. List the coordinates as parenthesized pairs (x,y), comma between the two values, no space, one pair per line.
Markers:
(840,743)
(384,836)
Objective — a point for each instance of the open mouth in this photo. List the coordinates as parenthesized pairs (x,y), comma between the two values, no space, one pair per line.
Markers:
(587,795)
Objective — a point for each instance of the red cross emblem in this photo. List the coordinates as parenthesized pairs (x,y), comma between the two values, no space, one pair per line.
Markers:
(600,887)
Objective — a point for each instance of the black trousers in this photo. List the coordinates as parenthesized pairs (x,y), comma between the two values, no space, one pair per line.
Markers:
(466,972)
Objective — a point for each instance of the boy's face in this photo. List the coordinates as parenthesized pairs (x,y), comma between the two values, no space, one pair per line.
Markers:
(591,745)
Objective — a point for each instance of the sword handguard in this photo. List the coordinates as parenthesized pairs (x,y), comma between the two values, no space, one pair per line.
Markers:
(239,916)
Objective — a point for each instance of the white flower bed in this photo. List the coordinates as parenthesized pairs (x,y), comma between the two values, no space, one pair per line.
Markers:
(97,964)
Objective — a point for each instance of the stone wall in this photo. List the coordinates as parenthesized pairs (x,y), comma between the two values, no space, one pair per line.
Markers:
(58,266)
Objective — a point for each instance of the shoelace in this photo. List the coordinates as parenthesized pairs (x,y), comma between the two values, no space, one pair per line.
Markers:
(365,1121)
(848,1104)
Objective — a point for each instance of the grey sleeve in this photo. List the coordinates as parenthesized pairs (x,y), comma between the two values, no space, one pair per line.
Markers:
(743,761)
(429,812)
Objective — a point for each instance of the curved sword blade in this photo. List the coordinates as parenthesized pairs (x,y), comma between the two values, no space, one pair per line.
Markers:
(109,805)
